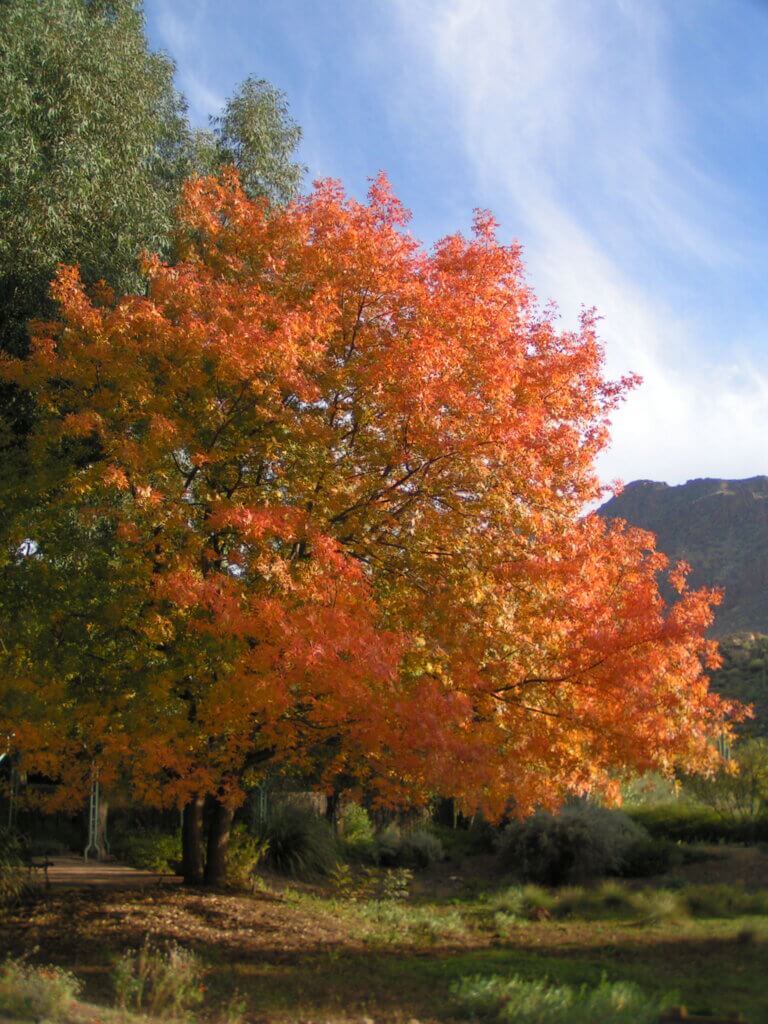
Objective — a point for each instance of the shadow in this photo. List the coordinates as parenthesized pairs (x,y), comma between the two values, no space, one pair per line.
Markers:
(302,962)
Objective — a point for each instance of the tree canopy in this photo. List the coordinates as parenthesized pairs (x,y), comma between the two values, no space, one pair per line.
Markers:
(316,498)
(94,149)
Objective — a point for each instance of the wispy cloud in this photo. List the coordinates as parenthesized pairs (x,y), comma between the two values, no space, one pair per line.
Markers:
(568,115)
(181,31)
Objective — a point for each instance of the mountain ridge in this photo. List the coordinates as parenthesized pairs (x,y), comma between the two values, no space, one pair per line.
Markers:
(718,526)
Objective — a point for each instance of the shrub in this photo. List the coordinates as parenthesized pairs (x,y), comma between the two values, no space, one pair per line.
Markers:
(157,982)
(418,848)
(740,796)
(12,874)
(149,850)
(300,843)
(684,822)
(579,843)
(647,856)
(36,993)
(538,1002)
(357,833)
(246,851)
(458,843)
(388,845)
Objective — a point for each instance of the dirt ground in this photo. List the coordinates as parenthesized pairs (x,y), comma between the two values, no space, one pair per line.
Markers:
(75,873)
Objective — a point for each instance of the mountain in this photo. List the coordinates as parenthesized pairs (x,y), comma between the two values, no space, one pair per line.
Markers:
(721,528)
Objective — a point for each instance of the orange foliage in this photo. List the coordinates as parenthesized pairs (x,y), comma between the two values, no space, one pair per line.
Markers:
(343,479)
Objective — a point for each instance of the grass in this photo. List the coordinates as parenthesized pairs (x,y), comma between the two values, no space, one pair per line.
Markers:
(301,952)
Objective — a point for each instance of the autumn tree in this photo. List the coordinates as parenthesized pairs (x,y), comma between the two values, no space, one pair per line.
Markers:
(316,499)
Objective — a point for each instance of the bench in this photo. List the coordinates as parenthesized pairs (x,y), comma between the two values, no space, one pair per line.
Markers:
(39,863)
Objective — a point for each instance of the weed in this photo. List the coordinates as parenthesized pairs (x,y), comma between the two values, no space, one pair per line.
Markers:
(157,982)
(396,884)
(233,1011)
(36,993)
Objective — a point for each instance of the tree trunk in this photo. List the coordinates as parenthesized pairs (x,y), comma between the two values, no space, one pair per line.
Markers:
(192,842)
(332,810)
(446,812)
(218,844)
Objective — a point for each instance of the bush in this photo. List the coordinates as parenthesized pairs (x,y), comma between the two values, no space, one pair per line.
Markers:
(36,993)
(246,851)
(158,982)
(357,833)
(648,856)
(458,843)
(12,874)
(537,1002)
(581,842)
(149,850)
(418,848)
(299,842)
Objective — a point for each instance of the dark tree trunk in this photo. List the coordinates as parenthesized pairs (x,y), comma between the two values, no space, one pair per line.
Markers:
(446,812)
(192,842)
(332,810)
(218,844)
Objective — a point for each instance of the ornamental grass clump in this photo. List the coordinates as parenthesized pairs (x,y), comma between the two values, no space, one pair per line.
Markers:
(516,1000)
(299,842)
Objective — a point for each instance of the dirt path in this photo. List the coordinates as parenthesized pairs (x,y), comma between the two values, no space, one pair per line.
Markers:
(75,873)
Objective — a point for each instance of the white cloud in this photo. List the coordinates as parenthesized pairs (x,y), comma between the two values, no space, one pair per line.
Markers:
(181,29)
(567,116)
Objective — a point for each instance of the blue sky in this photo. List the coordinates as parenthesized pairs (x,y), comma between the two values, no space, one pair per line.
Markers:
(623,142)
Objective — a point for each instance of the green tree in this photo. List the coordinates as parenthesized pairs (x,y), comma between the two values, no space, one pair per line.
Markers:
(257,135)
(92,150)
(740,794)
